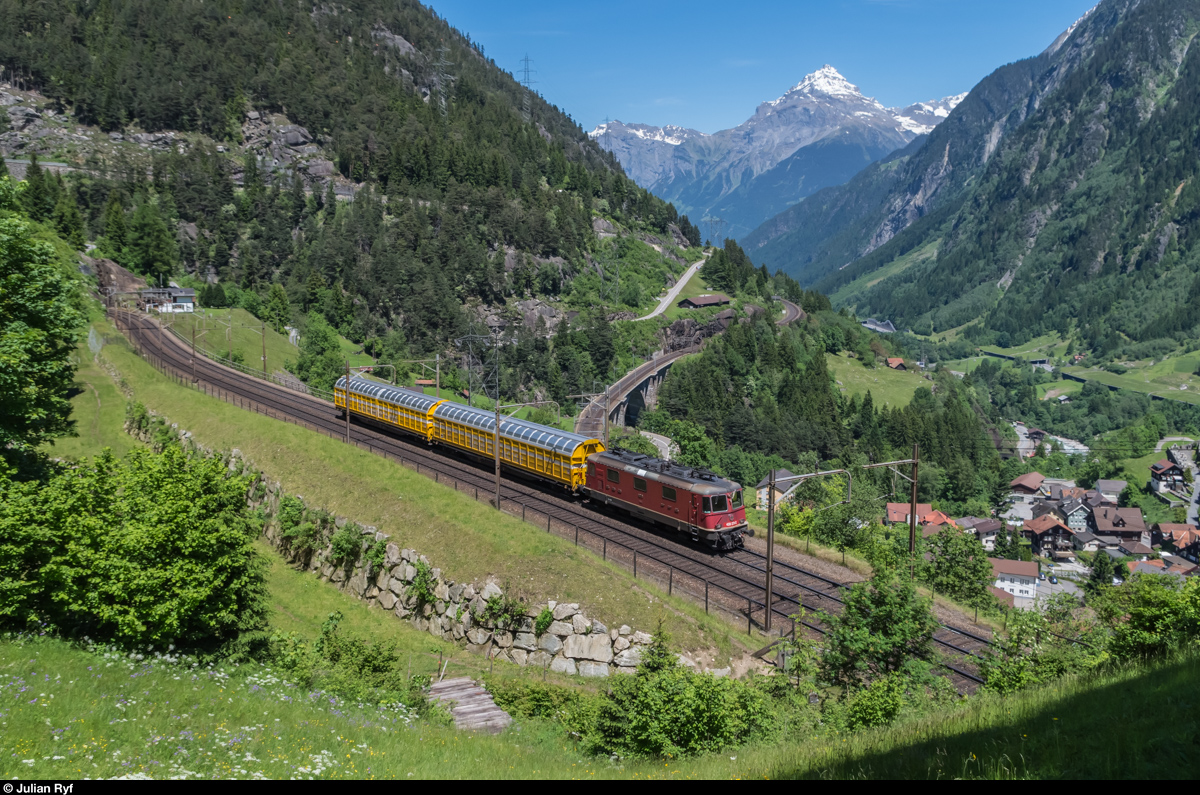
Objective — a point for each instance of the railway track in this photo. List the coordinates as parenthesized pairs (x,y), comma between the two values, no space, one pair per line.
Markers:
(732,583)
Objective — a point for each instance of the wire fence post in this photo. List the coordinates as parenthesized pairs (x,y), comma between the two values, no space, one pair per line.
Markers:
(604,552)
(635,564)
(706,597)
(749,626)
(670,581)
(576,535)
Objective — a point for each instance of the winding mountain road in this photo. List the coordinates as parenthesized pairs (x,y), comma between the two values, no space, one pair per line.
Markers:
(665,302)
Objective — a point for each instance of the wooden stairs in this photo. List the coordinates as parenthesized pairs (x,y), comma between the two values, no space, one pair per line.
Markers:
(472,706)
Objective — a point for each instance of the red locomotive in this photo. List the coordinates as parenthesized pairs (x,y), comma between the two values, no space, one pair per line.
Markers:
(696,502)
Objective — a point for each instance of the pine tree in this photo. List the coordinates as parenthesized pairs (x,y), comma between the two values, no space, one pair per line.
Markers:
(152,249)
(115,233)
(279,310)
(3,165)
(37,196)
(69,221)
(330,198)
(1102,573)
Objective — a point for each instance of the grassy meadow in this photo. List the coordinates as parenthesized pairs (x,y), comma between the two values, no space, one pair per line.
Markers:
(891,387)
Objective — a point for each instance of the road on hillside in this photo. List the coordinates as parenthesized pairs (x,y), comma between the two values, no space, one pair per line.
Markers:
(791,312)
(666,301)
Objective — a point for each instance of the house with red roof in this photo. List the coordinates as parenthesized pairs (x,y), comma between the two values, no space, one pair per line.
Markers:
(898,512)
(1018,578)
(1027,487)
(1049,536)
(1166,475)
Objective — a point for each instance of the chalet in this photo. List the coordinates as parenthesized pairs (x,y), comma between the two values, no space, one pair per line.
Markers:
(1049,536)
(1017,578)
(898,512)
(708,299)
(1026,487)
(1166,475)
(1184,567)
(1123,524)
(1036,435)
(896,364)
(1111,489)
(986,530)
(762,494)
(1075,513)
(1085,542)
(1149,567)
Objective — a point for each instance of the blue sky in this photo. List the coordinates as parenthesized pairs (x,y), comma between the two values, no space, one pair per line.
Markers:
(707,65)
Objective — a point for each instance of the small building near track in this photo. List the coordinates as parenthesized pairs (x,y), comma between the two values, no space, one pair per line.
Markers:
(168,299)
(701,301)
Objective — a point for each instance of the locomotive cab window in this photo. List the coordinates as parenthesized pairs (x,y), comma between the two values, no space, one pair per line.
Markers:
(737,499)
(591,467)
(668,494)
(614,475)
(717,504)
(639,484)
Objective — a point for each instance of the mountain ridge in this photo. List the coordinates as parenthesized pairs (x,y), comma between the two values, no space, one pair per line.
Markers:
(742,174)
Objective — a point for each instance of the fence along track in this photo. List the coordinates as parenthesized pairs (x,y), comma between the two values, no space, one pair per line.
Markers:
(671,566)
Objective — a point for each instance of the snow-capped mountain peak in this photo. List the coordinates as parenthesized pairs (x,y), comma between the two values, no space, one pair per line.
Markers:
(826,80)
(920,118)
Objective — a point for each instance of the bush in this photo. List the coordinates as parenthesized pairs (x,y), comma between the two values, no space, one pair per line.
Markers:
(878,704)
(543,621)
(346,544)
(423,583)
(151,549)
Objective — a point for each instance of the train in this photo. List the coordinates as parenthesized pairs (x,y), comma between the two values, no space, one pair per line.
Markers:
(696,503)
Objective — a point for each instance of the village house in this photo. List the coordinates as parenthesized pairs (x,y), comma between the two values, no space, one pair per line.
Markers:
(1182,539)
(1017,578)
(762,490)
(896,364)
(1026,488)
(934,522)
(986,530)
(1166,475)
(1085,542)
(898,512)
(1049,536)
(1122,524)
(1111,489)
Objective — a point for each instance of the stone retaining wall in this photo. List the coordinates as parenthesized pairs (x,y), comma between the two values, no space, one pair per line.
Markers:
(571,644)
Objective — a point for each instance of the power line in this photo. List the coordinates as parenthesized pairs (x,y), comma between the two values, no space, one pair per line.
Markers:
(527,81)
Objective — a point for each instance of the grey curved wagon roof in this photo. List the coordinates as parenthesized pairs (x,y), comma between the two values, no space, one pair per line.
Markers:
(531,433)
(392,394)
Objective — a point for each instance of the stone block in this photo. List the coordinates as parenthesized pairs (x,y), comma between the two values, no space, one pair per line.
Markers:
(441,591)
(561,665)
(396,586)
(468,593)
(629,658)
(439,607)
(387,600)
(503,639)
(599,628)
(456,593)
(519,656)
(406,555)
(624,630)
(552,604)
(477,605)
(641,639)
(562,612)
(423,559)
(561,628)
(371,592)
(458,631)
(490,590)
(525,624)
(381,580)
(402,610)
(339,575)
(392,558)
(580,624)
(410,574)
(539,659)
(686,661)
(597,648)
(593,669)
(467,620)
(550,643)
(478,636)
(525,640)
(613,635)
(620,644)
(477,648)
